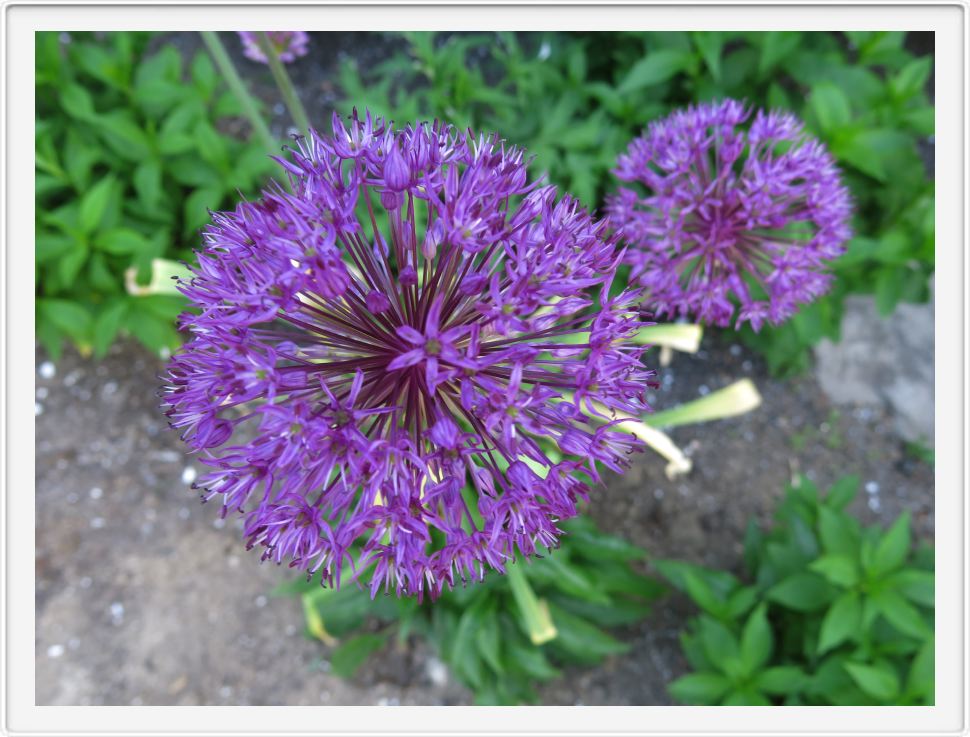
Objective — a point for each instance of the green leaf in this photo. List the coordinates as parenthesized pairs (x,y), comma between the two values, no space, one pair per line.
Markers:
(901,614)
(893,547)
(79,159)
(656,67)
(346,659)
(464,655)
(210,145)
(107,324)
(868,150)
(912,78)
(880,682)
(720,646)
(699,689)
(148,183)
(197,206)
(488,639)
(921,680)
(566,577)
(838,533)
(94,204)
(531,661)
(165,65)
(757,640)
(77,102)
(596,546)
(48,246)
(889,289)
(69,317)
(917,586)
(781,680)
(124,136)
(842,492)
(830,106)
(709,44)
(582,639)
(702,594)
(156,97)
(841,621)
(121,242)
(70,265)
(803,592)
(204,75)
(838,569)
(775,46)
(745,697)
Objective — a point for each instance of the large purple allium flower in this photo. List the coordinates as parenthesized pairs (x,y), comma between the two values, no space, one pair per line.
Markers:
(754,211)
(288,45)
(414,318)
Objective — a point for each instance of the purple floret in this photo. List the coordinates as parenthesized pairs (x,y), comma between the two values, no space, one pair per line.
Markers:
(730,213)
(382,359)
(288,45)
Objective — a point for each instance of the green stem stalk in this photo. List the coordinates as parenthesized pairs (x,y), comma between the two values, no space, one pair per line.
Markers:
(292,100)
(221,57)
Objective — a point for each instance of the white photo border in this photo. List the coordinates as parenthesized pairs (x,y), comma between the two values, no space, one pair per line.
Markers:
(18,713)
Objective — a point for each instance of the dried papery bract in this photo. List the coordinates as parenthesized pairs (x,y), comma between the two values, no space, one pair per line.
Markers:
(386,355)
(733,206)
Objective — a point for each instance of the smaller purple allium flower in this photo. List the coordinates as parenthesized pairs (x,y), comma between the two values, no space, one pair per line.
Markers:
(750,211)
(288,45)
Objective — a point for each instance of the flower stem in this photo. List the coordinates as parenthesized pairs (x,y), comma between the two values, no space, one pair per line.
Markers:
(535,612)
(681,336)
(740,397)
(221,57)
(292,100)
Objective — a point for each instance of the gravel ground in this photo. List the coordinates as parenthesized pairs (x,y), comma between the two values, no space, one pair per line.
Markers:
(143,598)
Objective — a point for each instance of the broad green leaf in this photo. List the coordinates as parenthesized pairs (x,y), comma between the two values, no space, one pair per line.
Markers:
(158,96)
(531,660)
(210,145)
(841,621)
(893,547)
(867,150)
(745,697)
(838,533)
(48,246)
(107,323)
(921,680)
(69,317)
(842,492)
(656,67)
(70,264)
(830,106)
(488,639)
(699,689)
(582,639)
(781,680)
(702,594)
(889,289)
(124,136)
(346,659)
(757,640)
(912,78)
(915,585)
(879,681)
(77,102)
(901,614)
(94,204)
(838,569)
(148,182)
(166,65)
(121,242)
(204,75)
(775,46)
(803,592)
(197,206)
(709,44)
(79,158)
(464,655)
(720,646)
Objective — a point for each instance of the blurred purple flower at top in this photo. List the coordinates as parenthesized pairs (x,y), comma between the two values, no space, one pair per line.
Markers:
(729,209)
(288,45)
(382,359)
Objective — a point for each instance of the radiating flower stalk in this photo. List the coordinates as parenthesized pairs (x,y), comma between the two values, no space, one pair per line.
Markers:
(345,381)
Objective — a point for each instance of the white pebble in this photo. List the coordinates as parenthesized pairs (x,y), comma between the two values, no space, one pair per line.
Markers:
(872,487)
(47,370)
(735,349)
(218,523)
(437,672)
(165,353)
(703,390)
(545,51)
(74,643)
(874,504)
(117,610)
(184,513)
(97,523)
(225,692)
(38,409)
(261,601)
(188,475)
(658,493)
(55,651)
(42,392)
(95,493)
(85,583)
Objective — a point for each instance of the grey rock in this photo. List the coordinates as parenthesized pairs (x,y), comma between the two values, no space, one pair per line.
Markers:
(887,362)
